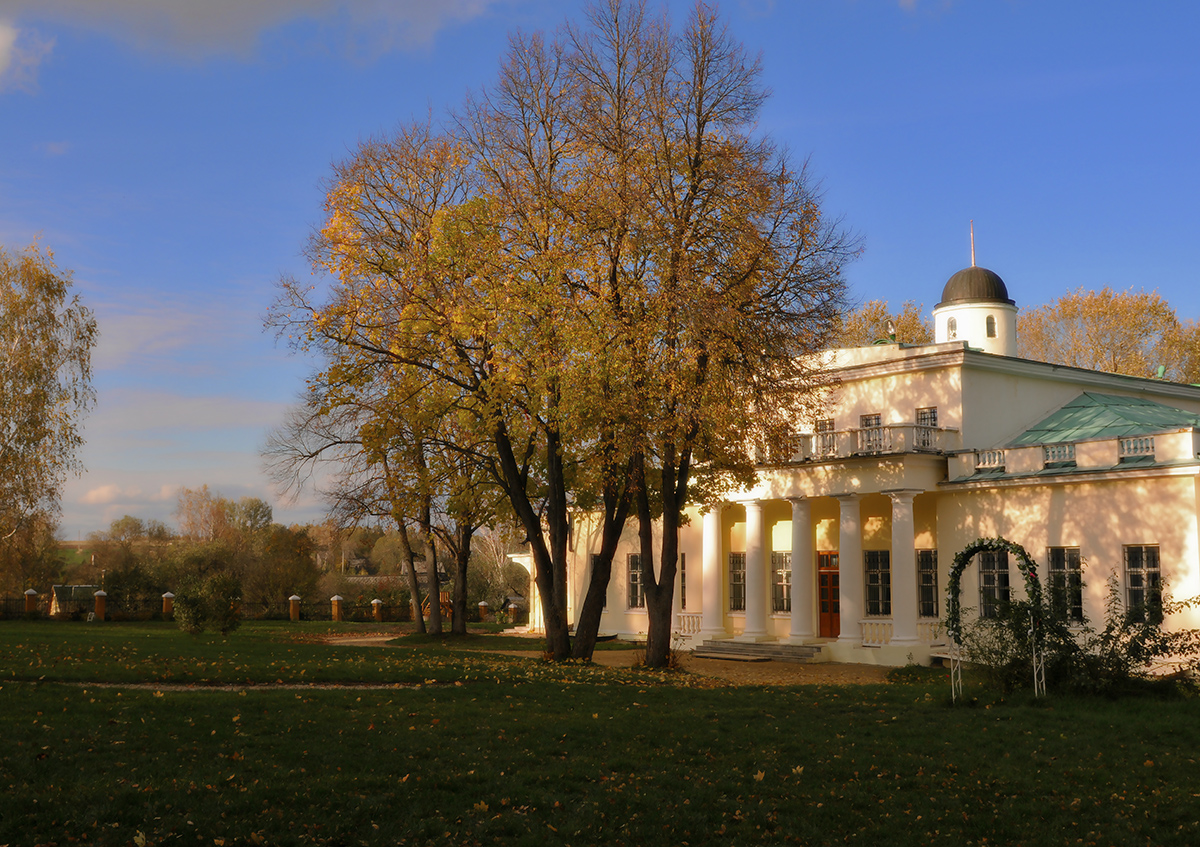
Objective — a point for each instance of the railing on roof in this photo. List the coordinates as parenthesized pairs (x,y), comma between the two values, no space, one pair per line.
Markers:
(1141,445)
(989,460)
(1052,453)
(867,441)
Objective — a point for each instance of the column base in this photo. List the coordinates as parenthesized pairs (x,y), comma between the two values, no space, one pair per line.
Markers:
(754,638)
(801,639)
(713,635)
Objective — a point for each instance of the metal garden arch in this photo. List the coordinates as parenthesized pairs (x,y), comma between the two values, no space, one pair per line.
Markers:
(1033,590)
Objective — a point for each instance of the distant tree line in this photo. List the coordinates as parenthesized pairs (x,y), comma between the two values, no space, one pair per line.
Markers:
(262,562)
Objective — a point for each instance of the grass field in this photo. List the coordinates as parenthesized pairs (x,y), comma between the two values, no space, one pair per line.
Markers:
(453,746)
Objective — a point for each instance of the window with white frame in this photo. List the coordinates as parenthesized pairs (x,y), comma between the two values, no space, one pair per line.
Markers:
(878,565)
(952,328)
(993,582)
(927,583)
(781,581)
(826,440)
(1066,583)
(870,435)
(636,589)
(737,582)
(1143,582)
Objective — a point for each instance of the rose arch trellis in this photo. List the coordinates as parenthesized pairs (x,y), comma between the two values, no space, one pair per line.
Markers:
(1033,590)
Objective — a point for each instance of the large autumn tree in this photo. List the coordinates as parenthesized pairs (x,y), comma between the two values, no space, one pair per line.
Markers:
(1126,332)
(602,272)
(46,340)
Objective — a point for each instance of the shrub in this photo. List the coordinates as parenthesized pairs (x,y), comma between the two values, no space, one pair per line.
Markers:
(211,603)
(1131,652)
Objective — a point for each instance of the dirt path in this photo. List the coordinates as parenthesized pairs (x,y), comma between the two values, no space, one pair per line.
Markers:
(739,673)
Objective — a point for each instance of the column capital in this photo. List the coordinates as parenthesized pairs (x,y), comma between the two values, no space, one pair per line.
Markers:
(902,494)
(847,497)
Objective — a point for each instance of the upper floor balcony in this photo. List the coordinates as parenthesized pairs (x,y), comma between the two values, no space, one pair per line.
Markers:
(887,439)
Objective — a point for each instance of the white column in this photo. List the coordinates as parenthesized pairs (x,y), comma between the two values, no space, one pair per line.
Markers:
(803,578)
(850,568)
(756,574)
(712,615)
(904,567)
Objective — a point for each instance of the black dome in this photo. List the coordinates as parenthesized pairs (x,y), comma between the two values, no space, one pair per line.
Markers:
(975,284)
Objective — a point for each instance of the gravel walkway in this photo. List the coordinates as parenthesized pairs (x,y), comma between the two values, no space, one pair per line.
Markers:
(739,673)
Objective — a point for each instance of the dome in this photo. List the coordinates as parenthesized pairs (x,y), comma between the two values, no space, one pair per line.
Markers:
(975,284)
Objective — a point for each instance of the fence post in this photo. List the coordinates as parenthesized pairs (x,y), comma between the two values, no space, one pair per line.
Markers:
(101,604)
(30,601)
(483,610)
(377,609)
(336,600)
(294,607)
(168,604)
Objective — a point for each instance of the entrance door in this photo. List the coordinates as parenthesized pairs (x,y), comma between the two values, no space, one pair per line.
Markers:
(828,605)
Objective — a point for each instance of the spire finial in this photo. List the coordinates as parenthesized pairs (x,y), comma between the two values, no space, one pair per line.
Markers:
(972,242)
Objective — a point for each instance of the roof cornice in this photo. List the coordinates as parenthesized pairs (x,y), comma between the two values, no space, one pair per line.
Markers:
(958,354)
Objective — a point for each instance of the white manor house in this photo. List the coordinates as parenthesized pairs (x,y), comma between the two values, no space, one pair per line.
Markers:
(845,547)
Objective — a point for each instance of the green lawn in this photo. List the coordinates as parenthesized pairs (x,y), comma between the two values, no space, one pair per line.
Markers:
(496,750)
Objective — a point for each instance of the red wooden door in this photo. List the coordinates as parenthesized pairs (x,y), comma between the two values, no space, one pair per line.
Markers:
(828,606)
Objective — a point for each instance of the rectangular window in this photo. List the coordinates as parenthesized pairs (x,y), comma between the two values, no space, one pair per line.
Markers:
(737,582)
(826,440)
(993,582)
(1143,582)
(683,581)
(781,582)
(870,434)
(637,593)
(925,437)
(879,582)
(927,583)
(1066,583)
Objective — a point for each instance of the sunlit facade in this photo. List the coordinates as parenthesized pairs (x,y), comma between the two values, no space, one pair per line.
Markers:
(842,549)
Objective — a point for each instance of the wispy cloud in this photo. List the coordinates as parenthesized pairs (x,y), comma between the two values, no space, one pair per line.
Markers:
(235,26)
(21,54)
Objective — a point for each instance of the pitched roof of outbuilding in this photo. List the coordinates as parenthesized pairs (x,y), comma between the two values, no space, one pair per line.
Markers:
(1090,416)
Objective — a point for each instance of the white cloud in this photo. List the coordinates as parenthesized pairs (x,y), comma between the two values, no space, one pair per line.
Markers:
(21,54)
(200,27)
(102,495)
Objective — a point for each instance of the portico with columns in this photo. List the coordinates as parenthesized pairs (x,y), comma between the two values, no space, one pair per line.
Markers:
(869,505)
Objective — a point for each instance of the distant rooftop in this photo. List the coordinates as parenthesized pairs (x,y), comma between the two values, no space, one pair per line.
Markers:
(1091,416)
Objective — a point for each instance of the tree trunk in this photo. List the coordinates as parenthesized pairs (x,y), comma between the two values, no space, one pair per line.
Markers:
(462,557)
(548,572)
(433,586)
(410,570)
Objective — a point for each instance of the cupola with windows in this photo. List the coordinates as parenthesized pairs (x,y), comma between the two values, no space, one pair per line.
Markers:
(976,308)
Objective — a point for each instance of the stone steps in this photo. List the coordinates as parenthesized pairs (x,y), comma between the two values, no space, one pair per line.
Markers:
(761,651)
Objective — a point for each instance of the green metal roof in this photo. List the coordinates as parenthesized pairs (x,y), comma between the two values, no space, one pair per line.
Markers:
(1091,416)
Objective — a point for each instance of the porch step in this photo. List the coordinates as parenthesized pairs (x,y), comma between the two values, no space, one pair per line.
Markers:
(762,651)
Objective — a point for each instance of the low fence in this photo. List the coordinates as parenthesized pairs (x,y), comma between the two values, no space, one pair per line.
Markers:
(151,608)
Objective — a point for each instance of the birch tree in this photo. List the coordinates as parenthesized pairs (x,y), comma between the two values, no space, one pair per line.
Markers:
(46,341)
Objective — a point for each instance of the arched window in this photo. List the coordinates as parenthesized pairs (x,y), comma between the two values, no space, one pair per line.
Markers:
(991,326)
(952,328)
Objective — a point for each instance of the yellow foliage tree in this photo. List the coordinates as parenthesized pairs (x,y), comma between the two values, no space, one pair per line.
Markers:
(599,275)
(46,340)
(1126,332)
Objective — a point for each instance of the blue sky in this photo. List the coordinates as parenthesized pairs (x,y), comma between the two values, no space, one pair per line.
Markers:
(172,152)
